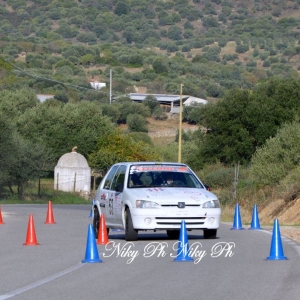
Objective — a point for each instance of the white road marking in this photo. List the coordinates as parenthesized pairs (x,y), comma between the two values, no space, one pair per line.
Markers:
(40,282)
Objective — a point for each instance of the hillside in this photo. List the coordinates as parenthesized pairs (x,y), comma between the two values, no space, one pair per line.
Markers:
(210,46)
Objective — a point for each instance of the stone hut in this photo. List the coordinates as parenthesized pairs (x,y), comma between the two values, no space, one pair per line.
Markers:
(72,173)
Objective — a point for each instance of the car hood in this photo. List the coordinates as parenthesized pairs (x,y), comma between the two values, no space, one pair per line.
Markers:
(171,195)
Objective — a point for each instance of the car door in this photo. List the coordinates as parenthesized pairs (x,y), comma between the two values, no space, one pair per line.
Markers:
(114,201)
(105,192)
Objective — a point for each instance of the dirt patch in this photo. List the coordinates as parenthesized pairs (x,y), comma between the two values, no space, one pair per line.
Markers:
(133,70)
(286,213)
(271,211)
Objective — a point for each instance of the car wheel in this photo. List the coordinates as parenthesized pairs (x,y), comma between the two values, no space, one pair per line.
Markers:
(131,234)
(210,233)
(173,234)
(96,221)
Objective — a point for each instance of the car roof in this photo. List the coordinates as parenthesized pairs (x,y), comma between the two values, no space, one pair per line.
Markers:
(150,163)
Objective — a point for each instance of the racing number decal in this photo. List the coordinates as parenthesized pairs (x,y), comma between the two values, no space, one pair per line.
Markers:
(111,206)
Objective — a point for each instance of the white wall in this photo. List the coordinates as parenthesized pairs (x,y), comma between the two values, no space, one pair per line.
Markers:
(72,179)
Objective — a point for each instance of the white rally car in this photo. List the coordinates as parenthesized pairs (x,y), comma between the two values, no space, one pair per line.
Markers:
(139,196)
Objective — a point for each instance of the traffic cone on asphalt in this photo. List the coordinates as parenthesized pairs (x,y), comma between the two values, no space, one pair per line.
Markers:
(237,220)
(31,236)
(102,232)
(50,216)
(276,251)
(255,224)
(1,221)
(91,253)
(183,245)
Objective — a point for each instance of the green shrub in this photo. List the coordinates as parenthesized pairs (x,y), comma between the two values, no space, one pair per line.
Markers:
(220,178)
(137,123)
(159,114)
(141,136)
(278,156)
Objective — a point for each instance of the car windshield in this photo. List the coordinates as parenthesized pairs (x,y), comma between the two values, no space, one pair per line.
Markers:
(162,176)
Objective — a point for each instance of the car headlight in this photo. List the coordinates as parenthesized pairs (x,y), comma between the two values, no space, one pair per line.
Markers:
(146,204)
(211,204)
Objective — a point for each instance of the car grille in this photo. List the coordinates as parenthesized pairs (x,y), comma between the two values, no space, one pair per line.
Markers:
(176,205)
(177,220)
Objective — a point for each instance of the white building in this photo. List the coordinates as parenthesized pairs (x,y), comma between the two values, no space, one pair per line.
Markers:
(72,173)
(44,97)
(171,100)
(194,100)
(97,85)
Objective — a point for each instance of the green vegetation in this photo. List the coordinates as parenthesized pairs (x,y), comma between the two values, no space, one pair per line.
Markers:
(242,57)
(210,46)
(41,192)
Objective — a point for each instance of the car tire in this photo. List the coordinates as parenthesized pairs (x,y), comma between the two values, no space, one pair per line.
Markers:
(173,234)
(96,221)
(210,233)
(131,234)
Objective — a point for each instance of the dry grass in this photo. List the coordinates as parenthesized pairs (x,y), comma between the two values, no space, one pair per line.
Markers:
(229,48)
(133,70)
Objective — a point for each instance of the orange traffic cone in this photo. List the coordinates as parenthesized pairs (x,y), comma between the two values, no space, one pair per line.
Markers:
(102,232)
(31,237)
(50,217)
(1,221)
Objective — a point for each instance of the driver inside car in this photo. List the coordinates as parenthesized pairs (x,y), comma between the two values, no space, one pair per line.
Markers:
(135,181)
(169,179)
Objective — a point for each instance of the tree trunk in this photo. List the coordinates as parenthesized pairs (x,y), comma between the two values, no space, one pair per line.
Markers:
(10,188)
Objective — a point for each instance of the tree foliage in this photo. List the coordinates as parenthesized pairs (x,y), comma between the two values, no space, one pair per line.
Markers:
(151,102)
(7,145)
(117,147)
(278,156)
(132,108)
(62,126)
(32,161)
(20,160)
(136,123)
(243,121)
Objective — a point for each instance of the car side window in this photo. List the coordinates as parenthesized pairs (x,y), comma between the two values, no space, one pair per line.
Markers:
(109,177)
(118,180)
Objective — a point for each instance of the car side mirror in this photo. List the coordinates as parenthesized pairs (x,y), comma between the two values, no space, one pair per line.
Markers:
(207,187)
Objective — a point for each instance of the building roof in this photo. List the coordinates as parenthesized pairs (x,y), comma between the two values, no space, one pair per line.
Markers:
(193,100)
(44,97)
(161,98)
(72,160)
(167,99)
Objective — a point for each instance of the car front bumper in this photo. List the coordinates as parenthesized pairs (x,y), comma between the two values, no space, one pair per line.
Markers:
(195,218)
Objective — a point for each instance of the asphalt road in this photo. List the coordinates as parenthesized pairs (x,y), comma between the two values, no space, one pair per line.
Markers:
(232,267)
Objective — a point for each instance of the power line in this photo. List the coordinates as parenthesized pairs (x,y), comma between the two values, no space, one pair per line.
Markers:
(47,79)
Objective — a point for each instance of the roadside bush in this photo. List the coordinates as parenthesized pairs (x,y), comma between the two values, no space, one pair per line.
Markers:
(277,156)
(141,136)
(137,123)
(220,178)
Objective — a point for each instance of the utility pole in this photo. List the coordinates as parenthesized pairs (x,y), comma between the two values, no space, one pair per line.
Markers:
(110,85)
(236,179)
(180,125)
